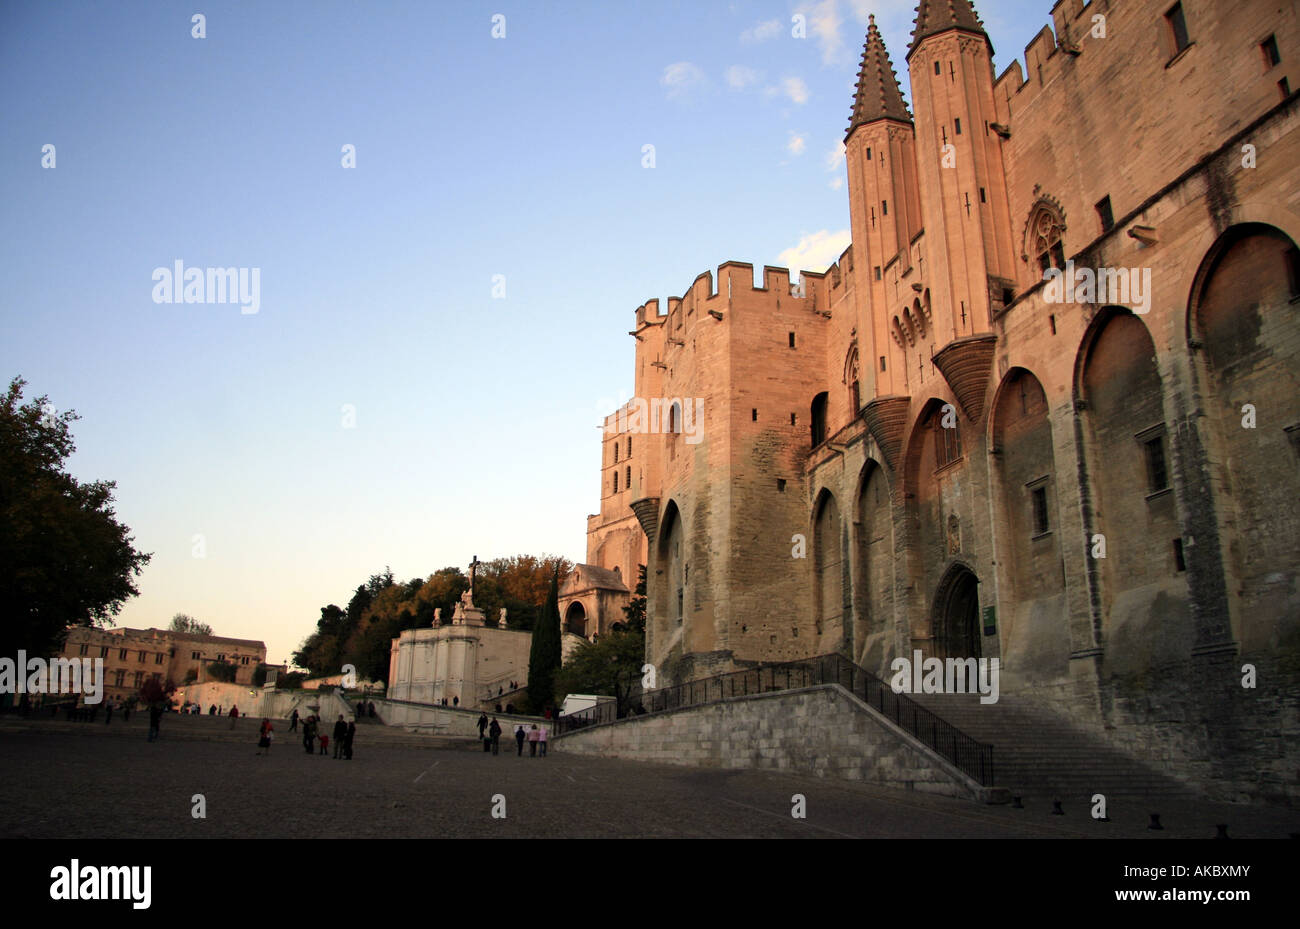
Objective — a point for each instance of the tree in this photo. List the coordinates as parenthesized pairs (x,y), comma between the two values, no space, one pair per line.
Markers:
(608,667)
(222,671)
(185,623)
(156,691)
(634,611)
(65,560)
(544,658)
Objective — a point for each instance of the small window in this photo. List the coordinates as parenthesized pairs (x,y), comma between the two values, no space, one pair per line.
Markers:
(103,651)
(628,483)
(957,123)
(792,340)
(877,272)
(753,416)
(1157,474)
(244,660)
(884,207)
(947,442)
(197,656)
(221,657)
(1269,48)
(1285,87)
(936,68)
(1039,496)
(615,482)
(157,659)
(1178,27)
(1051,321)
(142,657)
(780,485)
(616,453)
(819,419)
(793,420)
(629,447)
(882,362)
(868,153)
(85,649)
(983,199)
(1105,214)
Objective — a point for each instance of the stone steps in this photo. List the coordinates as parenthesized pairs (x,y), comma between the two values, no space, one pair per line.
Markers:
(1038,754)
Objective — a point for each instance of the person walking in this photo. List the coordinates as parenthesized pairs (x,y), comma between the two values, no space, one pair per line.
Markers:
(494,731)
(293,720)
(519,741)
(340,730)
(264,737)
(155,721)
(482,724)
(108,714)
(541,741)
(309,734)
(234,716)
(532,741)
(347,739)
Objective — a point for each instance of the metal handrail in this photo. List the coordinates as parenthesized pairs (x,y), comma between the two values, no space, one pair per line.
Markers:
(969,755)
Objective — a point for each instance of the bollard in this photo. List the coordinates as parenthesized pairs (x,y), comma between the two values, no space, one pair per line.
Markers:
(1155,822)
(1056,808)
(1223,831)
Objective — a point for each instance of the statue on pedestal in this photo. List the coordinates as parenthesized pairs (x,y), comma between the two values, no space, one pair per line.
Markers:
(501,619)
(437,617)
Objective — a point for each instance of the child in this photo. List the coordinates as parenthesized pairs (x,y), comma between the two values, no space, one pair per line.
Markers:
(324,744)
(264,742)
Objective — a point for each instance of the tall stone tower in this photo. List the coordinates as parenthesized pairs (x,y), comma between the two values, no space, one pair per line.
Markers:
(970,273)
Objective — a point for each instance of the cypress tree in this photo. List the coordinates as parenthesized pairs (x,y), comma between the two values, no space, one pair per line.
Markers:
(544,658)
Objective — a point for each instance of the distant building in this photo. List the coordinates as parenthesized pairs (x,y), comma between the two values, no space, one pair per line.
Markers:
(132,656)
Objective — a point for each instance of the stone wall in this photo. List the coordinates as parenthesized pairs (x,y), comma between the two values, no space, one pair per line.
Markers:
(823,731)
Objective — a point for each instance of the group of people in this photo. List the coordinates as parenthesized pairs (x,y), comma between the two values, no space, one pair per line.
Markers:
(313,733)
(490,734)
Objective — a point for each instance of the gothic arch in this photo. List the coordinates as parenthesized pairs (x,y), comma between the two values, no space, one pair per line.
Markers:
(874,578)
(1244,338)
(830,567)
(954,613)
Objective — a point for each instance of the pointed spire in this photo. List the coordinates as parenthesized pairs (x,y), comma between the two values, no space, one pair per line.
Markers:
(878,96)
(935,16)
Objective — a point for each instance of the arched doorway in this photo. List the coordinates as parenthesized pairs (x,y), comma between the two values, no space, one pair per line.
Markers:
(575,619)
(831,586)
(956,615)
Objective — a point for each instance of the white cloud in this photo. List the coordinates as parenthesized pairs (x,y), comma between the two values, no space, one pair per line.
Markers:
(836,183)
(835,157)
(679,78)
(797,144)
(739,77)
(795,89)
(824,25)
(815,252)
(768,29)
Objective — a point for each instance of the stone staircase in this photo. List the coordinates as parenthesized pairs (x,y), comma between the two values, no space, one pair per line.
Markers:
(1038,754)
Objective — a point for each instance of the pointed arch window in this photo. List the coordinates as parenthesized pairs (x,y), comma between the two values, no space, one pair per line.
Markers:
(853,379)
(1045,230)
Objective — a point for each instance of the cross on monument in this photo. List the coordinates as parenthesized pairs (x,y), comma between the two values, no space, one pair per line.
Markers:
(473,568)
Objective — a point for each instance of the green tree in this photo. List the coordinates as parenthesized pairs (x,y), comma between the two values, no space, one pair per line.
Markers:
(544,658)
(609,667)
(184,623)
(222,671)
(65,560)
(634,611)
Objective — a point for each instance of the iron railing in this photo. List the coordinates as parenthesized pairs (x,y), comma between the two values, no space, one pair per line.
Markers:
(970,756)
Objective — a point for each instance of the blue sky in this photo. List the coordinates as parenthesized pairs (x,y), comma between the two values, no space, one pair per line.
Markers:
(475,417)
